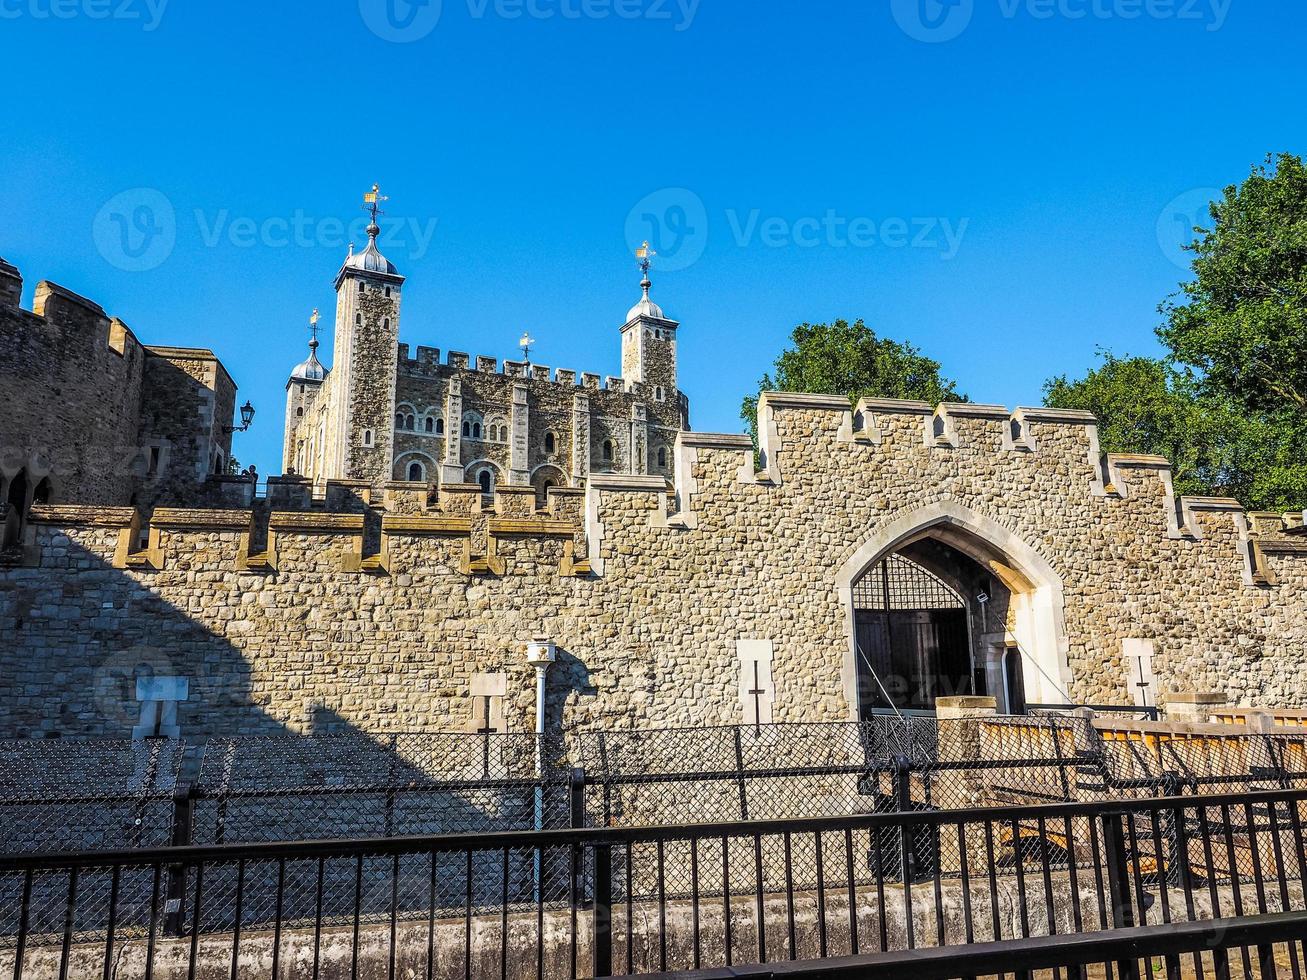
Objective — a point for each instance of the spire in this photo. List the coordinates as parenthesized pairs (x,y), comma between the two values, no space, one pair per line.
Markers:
(310,369)
(372,203)
(370,259)
(646,256)
(646,307)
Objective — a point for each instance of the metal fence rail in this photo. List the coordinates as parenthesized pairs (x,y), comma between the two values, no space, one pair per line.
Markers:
(91,794)
(653,899)
(1117,951)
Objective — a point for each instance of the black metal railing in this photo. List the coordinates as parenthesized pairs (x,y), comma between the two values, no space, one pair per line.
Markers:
(1116,953)
(1147,712)
(653,899)
(80,795)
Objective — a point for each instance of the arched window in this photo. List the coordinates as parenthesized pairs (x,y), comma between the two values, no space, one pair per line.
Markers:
(358,317)
(385,323)
(299,412)
(662,457)
(431,424)
(410,423)
(486,480)
(416,473)
(550,443)
(608,451)
(440,427)
(399,420)
(472,424)
(362,287)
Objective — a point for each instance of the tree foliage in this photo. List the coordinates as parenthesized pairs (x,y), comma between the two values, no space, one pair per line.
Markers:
(1242,321)
(1148,405)
(849,359)
(1228,404)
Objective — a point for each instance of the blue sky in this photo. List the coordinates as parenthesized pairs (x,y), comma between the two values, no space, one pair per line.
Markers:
(998,181)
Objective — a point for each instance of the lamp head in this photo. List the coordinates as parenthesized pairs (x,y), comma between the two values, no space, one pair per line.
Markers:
(541,652)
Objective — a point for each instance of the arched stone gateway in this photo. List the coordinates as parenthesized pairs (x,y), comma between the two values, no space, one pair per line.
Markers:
(944,600)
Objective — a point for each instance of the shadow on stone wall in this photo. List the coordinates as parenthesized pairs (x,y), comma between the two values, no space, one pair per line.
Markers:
(77,658)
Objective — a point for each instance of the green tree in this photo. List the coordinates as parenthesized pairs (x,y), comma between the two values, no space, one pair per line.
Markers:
(1242,321)
(849,359)
(1148,405)
(1228,405)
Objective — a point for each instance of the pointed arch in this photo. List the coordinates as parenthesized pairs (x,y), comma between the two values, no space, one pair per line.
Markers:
(1039,629)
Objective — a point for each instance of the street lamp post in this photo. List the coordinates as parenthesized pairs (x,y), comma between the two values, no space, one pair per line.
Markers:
(247,419)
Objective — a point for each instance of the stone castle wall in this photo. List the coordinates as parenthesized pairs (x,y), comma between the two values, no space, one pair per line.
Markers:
(552,406)
(408,615)
(70,390)
(104,417)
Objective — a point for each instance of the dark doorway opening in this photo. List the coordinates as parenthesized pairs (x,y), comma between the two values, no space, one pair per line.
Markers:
(913,633)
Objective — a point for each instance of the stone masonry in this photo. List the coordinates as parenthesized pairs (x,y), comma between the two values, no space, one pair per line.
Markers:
(90,415)
(381,415)
(391,607)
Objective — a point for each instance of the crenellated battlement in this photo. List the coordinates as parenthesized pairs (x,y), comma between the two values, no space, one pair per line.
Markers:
(361,535)
(427,363)
(806,441)
(741,578)
(79,319)
(1031,440)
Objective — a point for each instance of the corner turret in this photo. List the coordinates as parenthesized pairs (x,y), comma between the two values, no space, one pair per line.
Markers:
(649,339)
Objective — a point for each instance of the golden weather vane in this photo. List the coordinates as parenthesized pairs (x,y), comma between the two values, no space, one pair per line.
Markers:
(646,256)
(372,202)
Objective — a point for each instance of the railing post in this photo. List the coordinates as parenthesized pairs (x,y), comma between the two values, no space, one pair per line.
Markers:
(1118,882)
(183,819)
(1170,820)
(739,775)
(576,797)
(576,820)
(603,911)
(903,802)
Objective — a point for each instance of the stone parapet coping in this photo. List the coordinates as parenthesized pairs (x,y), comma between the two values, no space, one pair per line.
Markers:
(305,521)
(970,410)
(1069,416)
(426,524)
(217,520)
(82,515)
